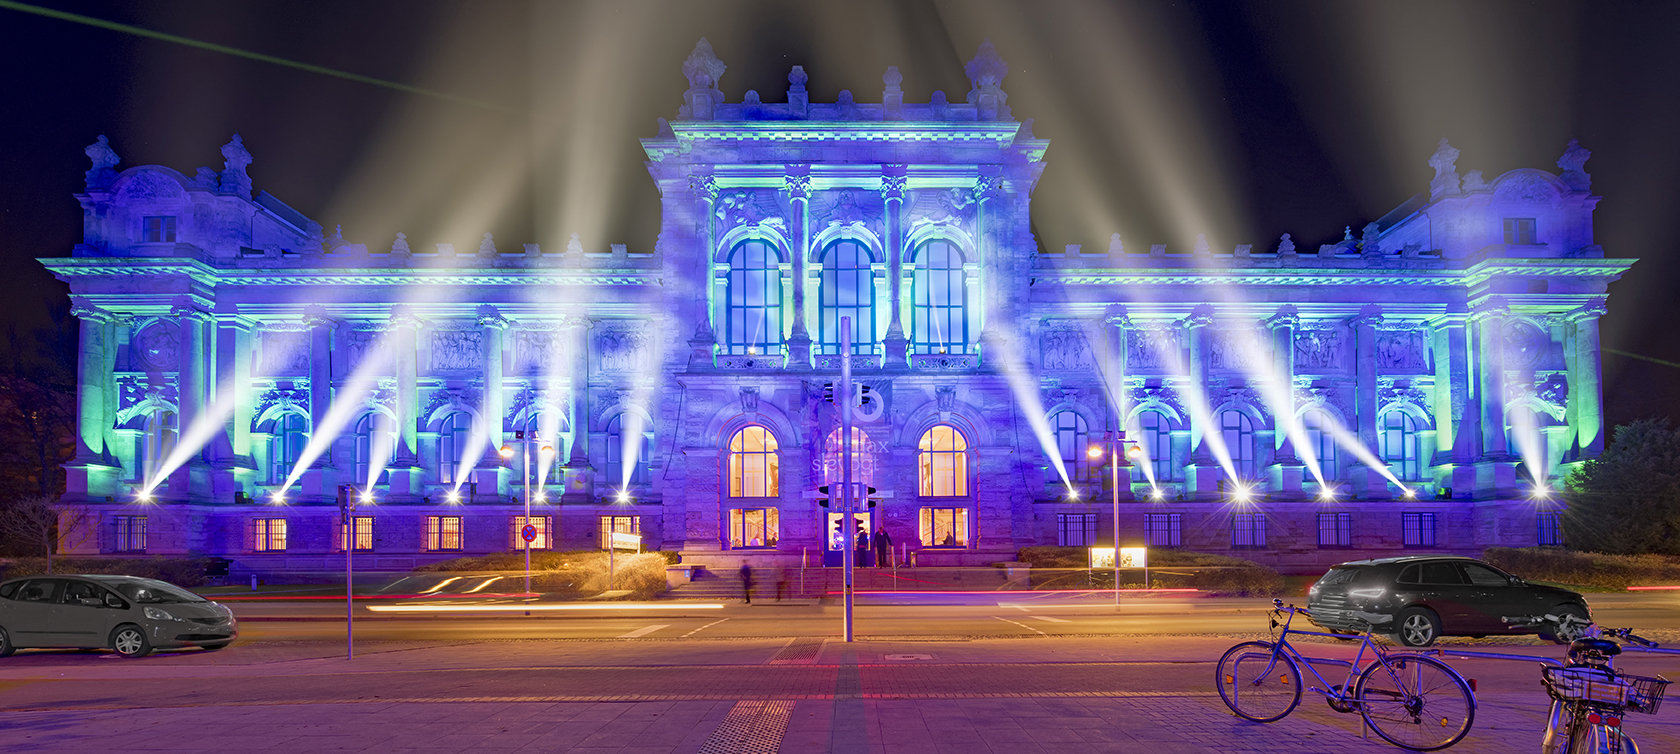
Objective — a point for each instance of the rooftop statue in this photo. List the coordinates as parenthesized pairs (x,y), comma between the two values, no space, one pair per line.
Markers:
(1446,174)
(104,163)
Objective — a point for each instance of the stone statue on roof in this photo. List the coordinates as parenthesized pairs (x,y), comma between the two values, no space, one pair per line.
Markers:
(1446,174)
(105,161)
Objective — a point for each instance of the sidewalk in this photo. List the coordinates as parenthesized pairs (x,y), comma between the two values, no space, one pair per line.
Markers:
(1148,694)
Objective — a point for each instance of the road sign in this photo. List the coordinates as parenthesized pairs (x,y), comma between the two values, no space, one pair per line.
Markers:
(625,541)
(529,533)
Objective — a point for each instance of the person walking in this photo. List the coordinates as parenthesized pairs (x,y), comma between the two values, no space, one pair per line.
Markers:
(862,558)
(746,582)
(883,549)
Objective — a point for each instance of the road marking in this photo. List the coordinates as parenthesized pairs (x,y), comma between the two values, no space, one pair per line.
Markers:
(644,631)
(1052,620)
(1022,625)
(702,628)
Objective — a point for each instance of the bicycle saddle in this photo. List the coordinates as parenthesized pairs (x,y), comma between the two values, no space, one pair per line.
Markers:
(1602,647)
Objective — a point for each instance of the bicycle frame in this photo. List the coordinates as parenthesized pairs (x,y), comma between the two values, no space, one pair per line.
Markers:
(1346,688)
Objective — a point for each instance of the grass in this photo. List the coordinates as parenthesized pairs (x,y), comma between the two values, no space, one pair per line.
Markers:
(1219,575)
(1586,571)
(187,572)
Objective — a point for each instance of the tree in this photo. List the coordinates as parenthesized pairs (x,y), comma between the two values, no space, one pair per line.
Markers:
(35,525)
(1627,501)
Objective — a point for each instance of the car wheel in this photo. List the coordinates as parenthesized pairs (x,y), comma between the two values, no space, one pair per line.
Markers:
(6,648)
(130,641)
(1418,627)
(1573,631)
(216,646)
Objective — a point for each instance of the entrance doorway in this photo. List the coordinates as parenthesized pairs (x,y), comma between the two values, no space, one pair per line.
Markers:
(833,553)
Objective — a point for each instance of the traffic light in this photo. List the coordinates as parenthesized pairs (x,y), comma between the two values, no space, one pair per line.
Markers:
(346,501)
(865,395)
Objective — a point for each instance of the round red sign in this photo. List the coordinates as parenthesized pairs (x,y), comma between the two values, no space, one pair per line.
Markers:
(529,533)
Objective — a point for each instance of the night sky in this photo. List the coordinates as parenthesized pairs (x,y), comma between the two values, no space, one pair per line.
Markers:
(1239,120)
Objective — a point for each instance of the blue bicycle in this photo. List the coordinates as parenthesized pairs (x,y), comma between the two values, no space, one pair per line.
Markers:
(1413,702)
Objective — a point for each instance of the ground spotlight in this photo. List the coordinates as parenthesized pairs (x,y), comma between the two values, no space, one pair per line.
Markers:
(1327,493)
(454,497)
(1540,492)
(624,496)
(279,498)
(143,497)
(1072,494)
(540,497)
(1409,492)
(1243,493)
(367,497)
(1156,494)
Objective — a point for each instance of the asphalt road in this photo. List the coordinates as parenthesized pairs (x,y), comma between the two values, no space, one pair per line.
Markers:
(964,616)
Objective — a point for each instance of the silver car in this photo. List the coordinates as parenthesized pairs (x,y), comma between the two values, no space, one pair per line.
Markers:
(127,614)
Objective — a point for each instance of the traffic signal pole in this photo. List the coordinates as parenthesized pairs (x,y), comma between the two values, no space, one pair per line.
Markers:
(846,507)
(347,510)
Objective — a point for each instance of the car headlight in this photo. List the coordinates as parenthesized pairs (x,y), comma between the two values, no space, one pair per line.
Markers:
(159,614)
(1369,594)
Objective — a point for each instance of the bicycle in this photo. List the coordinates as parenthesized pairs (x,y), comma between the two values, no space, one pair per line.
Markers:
(1589,696)
(1411,701)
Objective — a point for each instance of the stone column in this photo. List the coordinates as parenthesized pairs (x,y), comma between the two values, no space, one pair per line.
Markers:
(1495,469)
(191,481)
(92,380)
(235,469)
(1366,481)
(321,479)
(988,189)
(1455,423)
(704,341)
(491,409)
(1586,397)
(406,471)
(580,474)
(893,184)
(1285,474)
(1201,478)
(798,183)
(1115,334)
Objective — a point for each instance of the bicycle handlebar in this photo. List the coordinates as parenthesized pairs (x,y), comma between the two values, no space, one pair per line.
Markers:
(1625,634)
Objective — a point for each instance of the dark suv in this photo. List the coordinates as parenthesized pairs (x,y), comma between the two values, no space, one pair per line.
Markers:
(1429,596)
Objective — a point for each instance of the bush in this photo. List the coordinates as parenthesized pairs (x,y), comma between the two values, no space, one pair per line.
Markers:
(580,571)
(1627,501)
(1587,569)
(188,572)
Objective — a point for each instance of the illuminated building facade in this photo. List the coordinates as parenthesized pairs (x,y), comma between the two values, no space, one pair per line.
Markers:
(1399,391)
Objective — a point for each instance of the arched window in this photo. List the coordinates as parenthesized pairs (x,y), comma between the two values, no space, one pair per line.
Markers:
(848,290)
(1072,441)
(1238,430)
(285,445)
(1155,438)
(632,448)
(939,314)
(942,463)
(1400,447)
(1315,424)
(863,459)
(452,442)
(375,442)
(753,321)
(157,442)
(754,466)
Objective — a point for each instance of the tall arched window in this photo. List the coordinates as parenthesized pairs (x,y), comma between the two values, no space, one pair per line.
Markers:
(1072,441)
(285,445)
(753,320)
(939,290)
(1238,430)
(754,466)
(1155,437)
(863,459)
(1315,424)
(848,290)
(942,463)
(622,448)
(1400,448)
(452,441)
(375,439)
(158,441)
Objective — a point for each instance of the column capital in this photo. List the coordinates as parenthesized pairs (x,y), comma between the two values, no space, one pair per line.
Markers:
(1494,307)
(576,320)
(82,310)
(1287,316)
(403,316)
(489,316)
(187,310)
(1201,316)
(705,186)
(1592,310)
(1370,316)
(1117,316)
(797,181)
(894,182)
(316,316)
(987,187)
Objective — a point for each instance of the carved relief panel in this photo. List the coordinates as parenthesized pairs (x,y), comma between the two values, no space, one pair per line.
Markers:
(1063,346)
(1402,351)
(457,350)
(624,350)
(1320,349)
(358,346)
(1154,350)
(538,352)
(157,347)
(1525,344)
(285,352)
(1238,349)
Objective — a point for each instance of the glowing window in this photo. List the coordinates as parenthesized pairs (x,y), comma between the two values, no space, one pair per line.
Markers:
(943,527)
(1399,443)
(611,525)
(268,535)
(754,527)
(1072,444)
(363,526)
(939,295)
(942,463)
(374,439)
(544,525)
(1238,430)
(157,442)
(1316,426)
(1155,439)
(285,445)
(633,445)
(452,444)
(847,290)
(753,320)
(159,229)
(863,459)
(754,465)
(443,533)
(130,533)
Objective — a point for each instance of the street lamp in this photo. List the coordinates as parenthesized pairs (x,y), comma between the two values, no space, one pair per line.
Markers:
(525,439)
(1111,445)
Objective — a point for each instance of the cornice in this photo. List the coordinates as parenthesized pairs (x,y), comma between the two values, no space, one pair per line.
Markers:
(84,267)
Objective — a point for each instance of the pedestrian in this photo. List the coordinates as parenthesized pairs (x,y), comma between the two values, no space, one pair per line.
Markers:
(746,582)
(862,559)
(883,548)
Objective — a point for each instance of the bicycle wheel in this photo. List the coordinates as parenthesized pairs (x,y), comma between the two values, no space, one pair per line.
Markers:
(1258,683)
(1415,702)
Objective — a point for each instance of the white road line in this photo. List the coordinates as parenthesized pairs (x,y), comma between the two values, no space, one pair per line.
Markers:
(1052,620)
(644,631)
(702,628)
(1022,625)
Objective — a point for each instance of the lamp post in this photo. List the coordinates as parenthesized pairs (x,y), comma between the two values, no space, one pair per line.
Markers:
(525,439)
(1111,445)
